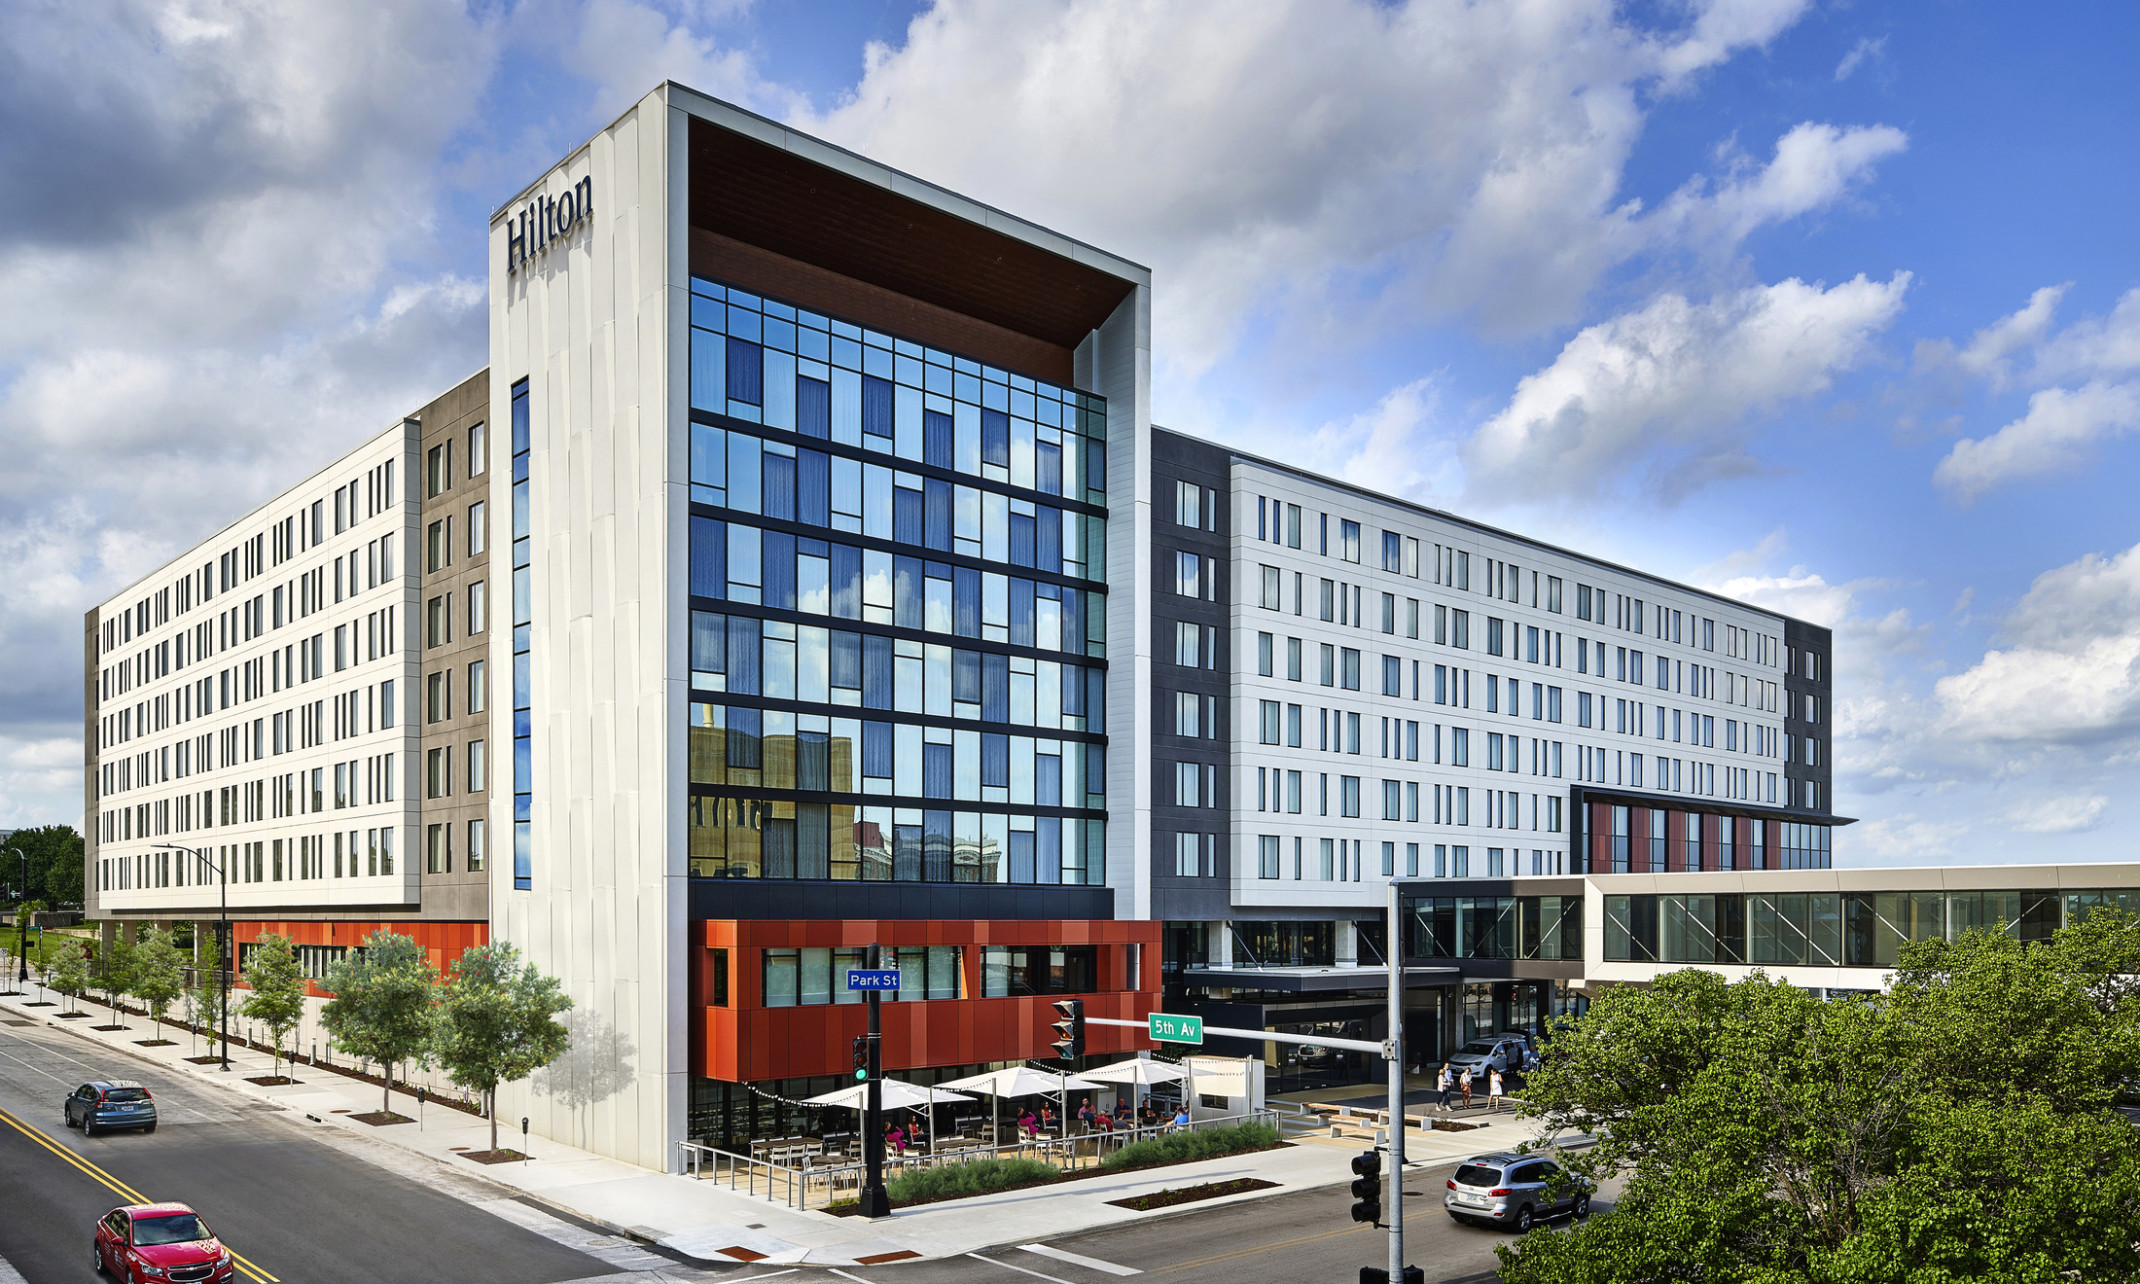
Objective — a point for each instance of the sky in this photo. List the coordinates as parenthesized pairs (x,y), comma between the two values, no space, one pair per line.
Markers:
(1831,307)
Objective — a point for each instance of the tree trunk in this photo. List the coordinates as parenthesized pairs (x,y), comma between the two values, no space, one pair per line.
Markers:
(386,1089)
(491,1095)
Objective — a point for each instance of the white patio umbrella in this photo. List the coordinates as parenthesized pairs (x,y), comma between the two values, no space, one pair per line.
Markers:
(1137,1070)
(1022,1081)
(895,1094)
(1142,1072)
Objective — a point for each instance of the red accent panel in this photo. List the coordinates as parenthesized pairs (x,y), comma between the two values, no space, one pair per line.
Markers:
(744,1041)
(442,942)
(1600,832)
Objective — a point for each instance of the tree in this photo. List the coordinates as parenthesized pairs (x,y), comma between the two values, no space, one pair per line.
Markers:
(278,997)
(381,1009)
(115,971)
(159,974)
(1958,1127)
(55,865)
(67,969)
(496,1022)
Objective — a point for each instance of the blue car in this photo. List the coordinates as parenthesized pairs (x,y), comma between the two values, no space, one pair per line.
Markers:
(111,1103)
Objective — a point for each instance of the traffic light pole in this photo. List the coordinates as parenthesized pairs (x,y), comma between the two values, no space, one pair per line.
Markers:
(875,1200)
(1393,955)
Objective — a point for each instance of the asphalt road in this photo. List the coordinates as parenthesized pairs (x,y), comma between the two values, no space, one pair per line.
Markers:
(295,1202)
(1304,1236)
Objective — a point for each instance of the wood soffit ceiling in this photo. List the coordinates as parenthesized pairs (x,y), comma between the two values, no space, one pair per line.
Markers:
(780,202)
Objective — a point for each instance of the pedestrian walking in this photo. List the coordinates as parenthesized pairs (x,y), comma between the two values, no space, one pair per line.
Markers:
(1493,1090)
(1463,1083)
(1447,1083)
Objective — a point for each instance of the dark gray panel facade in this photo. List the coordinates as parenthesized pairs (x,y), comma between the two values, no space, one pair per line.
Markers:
(1190,876)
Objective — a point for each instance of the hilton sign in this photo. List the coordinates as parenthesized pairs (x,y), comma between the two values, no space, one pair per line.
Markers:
(529,233)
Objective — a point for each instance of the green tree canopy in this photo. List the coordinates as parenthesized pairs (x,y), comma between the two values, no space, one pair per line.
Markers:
(1958,1127)
(55,866)
(382,1005)
(497,1022)
(115,968)
(277,1000)
(159,974)
(66,965)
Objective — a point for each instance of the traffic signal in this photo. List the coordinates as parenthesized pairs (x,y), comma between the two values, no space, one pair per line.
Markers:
(1070,1029)
(1367,1187)
(861,1057)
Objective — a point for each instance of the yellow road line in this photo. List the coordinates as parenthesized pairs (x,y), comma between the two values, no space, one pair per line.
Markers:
(113,1184)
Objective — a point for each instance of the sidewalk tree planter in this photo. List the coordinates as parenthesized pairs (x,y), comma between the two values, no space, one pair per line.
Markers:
(115,969)
(1190,1194)
(496,1022)
(159,975)
(68,972)
(278,997)
(382,1006)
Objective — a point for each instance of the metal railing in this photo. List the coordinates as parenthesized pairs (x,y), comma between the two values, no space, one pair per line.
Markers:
(818,1181)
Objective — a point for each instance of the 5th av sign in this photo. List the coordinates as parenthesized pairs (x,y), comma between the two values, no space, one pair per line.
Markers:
(1176,1029)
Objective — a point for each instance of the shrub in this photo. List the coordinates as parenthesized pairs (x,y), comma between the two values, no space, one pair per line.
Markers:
(976,1178)
(1175,1147)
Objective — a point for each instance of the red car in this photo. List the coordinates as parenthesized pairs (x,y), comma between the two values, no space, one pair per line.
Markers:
(151,1243)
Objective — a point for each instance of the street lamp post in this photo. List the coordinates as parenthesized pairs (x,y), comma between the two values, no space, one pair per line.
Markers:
(22,921)
(224,943)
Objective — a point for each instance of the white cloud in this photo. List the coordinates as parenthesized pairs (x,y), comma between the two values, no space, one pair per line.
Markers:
(2070,815)
(1904,837)
(2052,437)
(1435,155)
(1674,385)
(2070,674)
(1989,349)
(2096,345)
(1866,50)
(1814,165)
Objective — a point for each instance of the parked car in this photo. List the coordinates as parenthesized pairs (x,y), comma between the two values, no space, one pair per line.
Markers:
(141,1243)
(1481,1055)
(1514,1191)
(111,1103)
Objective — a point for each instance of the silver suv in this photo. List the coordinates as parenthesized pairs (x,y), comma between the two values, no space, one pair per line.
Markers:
(1480,1056)
(1514,1191)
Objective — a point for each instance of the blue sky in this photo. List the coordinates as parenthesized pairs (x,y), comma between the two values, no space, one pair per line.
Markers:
(1815,304)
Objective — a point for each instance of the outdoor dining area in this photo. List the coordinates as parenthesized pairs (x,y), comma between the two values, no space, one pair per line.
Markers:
(1028,1113)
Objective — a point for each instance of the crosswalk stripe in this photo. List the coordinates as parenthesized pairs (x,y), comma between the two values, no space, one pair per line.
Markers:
(1090,1263)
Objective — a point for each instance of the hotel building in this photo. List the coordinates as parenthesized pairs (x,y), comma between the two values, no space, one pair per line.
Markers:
(804,572)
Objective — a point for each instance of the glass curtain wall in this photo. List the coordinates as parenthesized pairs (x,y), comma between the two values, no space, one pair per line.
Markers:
(1831,929)
(898,612)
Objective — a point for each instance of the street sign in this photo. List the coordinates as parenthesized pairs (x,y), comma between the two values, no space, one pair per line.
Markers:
(873,979)
(1176,1029)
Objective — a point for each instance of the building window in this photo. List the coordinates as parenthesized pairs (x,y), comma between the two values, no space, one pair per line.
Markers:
(478,689)
(1349,534)
(476,845)
(438,469)
(523,613)
(1188,575)
(478,528)
(478,607)
(478,767)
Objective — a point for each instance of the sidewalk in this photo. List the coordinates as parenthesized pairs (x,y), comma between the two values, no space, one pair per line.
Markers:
(714,1224)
